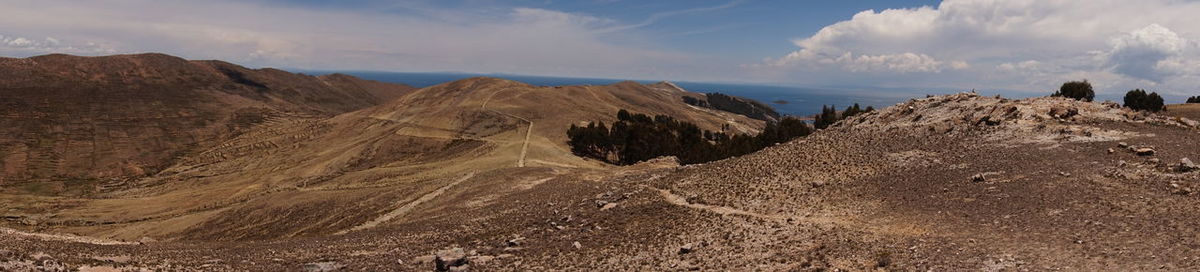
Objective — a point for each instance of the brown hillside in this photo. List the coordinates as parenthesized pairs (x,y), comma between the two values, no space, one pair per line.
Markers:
(314,177)
(68,123)
(947,183)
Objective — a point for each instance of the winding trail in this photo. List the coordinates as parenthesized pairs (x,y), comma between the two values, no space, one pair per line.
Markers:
(408,207)
(528,132)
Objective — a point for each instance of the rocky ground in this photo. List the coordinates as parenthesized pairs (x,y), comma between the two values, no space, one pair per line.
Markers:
(955,182)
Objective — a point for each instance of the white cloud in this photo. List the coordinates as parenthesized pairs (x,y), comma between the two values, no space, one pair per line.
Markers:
(519,40)
(48,44)
(1012,44)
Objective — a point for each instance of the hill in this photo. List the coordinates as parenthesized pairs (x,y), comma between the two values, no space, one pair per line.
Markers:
(322,176)
(68,123)
(955,182)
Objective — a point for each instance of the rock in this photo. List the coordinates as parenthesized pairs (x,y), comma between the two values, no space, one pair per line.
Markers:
(1145,151)
(685,249)
(1065,174)
(1062,112)
(514,242)
(601,203)
(1122,163)
(1110,151)
(577,245)
(818,183)
(608,206)
(978,178)
(1154,161)
(323,267)
(1186,165)
(1122,145)
(449,258)
(147,240)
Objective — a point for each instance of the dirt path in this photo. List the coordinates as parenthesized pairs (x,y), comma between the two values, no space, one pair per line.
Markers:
(409,207)
(528,132)
(64,238)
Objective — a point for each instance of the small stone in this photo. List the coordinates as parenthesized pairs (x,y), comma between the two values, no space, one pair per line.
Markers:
(1186,165)
(323,267)
(577,245)
(1154,161)
(1122,163)
(514,242)
(978,178)
(686,248)
(601,203)
(818,184)
(1110,151)
(1122,145)
(608,206)
(1065,174)
(1145,151)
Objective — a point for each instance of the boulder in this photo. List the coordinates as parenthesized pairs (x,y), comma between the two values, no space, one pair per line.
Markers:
(450,258)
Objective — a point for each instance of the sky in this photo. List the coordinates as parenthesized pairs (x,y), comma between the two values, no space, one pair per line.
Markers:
(1016,45)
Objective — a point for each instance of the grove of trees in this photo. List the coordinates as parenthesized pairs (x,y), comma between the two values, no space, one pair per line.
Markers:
(639,137)
(1194,99)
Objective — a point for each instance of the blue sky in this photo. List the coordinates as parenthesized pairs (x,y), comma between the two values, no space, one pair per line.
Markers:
(1020,45)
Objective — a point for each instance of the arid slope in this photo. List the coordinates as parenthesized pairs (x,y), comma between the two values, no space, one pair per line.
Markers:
(68,124)
(321,176)
(956,182)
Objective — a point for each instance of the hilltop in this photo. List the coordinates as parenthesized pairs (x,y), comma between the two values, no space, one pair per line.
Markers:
(954,182)
(69,123)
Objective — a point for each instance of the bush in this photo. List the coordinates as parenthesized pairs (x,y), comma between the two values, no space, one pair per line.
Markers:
(1194,99)
(1078,90)
(1139,100)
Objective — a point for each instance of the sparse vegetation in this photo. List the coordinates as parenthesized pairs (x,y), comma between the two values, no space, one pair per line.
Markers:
(1139,100)
(639,137)
(1194,99)
(1078,90)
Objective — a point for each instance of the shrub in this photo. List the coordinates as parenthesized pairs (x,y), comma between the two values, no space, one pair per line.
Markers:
(1138,100)
(1078,90)
(1194,99)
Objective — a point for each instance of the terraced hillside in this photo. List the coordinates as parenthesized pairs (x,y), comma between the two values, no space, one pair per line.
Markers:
(68,124)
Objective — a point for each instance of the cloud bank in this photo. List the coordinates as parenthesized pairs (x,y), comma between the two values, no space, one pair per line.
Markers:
(1029,45)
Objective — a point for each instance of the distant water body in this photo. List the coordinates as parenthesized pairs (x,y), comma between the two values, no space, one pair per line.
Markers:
(787,100)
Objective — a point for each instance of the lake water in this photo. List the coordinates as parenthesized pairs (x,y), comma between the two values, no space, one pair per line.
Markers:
(795,100)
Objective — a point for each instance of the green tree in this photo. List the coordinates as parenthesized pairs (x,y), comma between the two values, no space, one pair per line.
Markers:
(1078,90)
